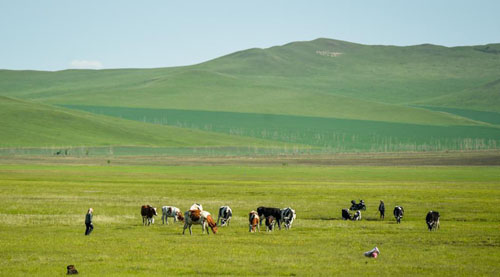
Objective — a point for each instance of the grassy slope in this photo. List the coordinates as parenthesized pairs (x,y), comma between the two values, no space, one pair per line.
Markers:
(365,82)
(334,134)
(41,221)
(29,124)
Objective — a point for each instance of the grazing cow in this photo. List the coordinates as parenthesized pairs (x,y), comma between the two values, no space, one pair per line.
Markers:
(357,216)
(225,214)
(270,222)
(265,212)
(253,219)
(432,220)
(169,211)
(398,213)
(147,213)
(287,217)
(345,214)
(199,217)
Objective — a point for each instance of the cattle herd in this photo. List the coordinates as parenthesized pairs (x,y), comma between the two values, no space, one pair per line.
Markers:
(197,216)
(271,216)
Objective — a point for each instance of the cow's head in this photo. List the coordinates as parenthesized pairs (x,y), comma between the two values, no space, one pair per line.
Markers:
(260,211)
(154,211)
(212,224)
(179,216)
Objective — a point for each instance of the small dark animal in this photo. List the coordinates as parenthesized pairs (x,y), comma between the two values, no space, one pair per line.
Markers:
(432,220)
(265,212)
(345,214)
(398,213)
(71,270)
(147,213)
(270,222)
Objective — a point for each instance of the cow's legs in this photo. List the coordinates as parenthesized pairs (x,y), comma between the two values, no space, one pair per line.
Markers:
(190,229)
(184,230)
(163,216)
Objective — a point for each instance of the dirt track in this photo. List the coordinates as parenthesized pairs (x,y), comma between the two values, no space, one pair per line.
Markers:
(480,158)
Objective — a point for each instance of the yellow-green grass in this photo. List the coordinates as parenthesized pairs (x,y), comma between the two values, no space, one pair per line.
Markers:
(43,208)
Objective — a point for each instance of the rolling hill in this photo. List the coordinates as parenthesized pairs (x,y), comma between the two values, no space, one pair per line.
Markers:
(37,125)
(314,82)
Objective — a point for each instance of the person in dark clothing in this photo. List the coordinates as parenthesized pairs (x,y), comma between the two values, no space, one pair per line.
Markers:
(381,209)
(88,222)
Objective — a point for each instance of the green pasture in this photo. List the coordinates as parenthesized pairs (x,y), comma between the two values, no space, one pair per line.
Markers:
(43,208)
(27,124)
(329,134)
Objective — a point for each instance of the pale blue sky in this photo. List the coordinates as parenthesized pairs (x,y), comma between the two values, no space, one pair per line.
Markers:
(55,35)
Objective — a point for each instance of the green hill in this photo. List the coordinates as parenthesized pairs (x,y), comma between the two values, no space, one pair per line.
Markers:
(36,125)
(314,82)
(301,78)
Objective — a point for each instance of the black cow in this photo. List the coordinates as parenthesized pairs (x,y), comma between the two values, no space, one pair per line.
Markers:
(147,213)
(398,213)
(432,220)
(265,212)
(345,214)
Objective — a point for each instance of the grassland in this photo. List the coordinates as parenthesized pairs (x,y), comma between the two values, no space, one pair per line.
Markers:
(31,124)
(41,220)
(328,134)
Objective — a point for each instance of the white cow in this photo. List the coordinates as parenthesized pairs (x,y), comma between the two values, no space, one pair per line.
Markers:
(199,217)
(170,211)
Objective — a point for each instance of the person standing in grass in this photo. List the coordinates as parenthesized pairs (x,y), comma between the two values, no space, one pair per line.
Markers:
(381,209)
(88,222)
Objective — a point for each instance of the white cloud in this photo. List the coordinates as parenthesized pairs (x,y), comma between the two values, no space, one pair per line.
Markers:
(84,64)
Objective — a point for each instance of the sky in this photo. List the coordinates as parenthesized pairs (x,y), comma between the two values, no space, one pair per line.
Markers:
(60,34)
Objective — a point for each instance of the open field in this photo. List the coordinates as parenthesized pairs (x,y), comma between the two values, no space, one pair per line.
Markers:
(43,208)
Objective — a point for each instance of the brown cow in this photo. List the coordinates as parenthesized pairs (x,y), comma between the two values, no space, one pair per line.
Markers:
(147,213)
(199,217)
(253,219)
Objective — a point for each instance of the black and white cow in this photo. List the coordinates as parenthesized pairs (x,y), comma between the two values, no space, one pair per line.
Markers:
(432,220)
(398,213)
(288,215)
(147,213)
(357,216)
(265,212)
(225,214)
(345,214)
